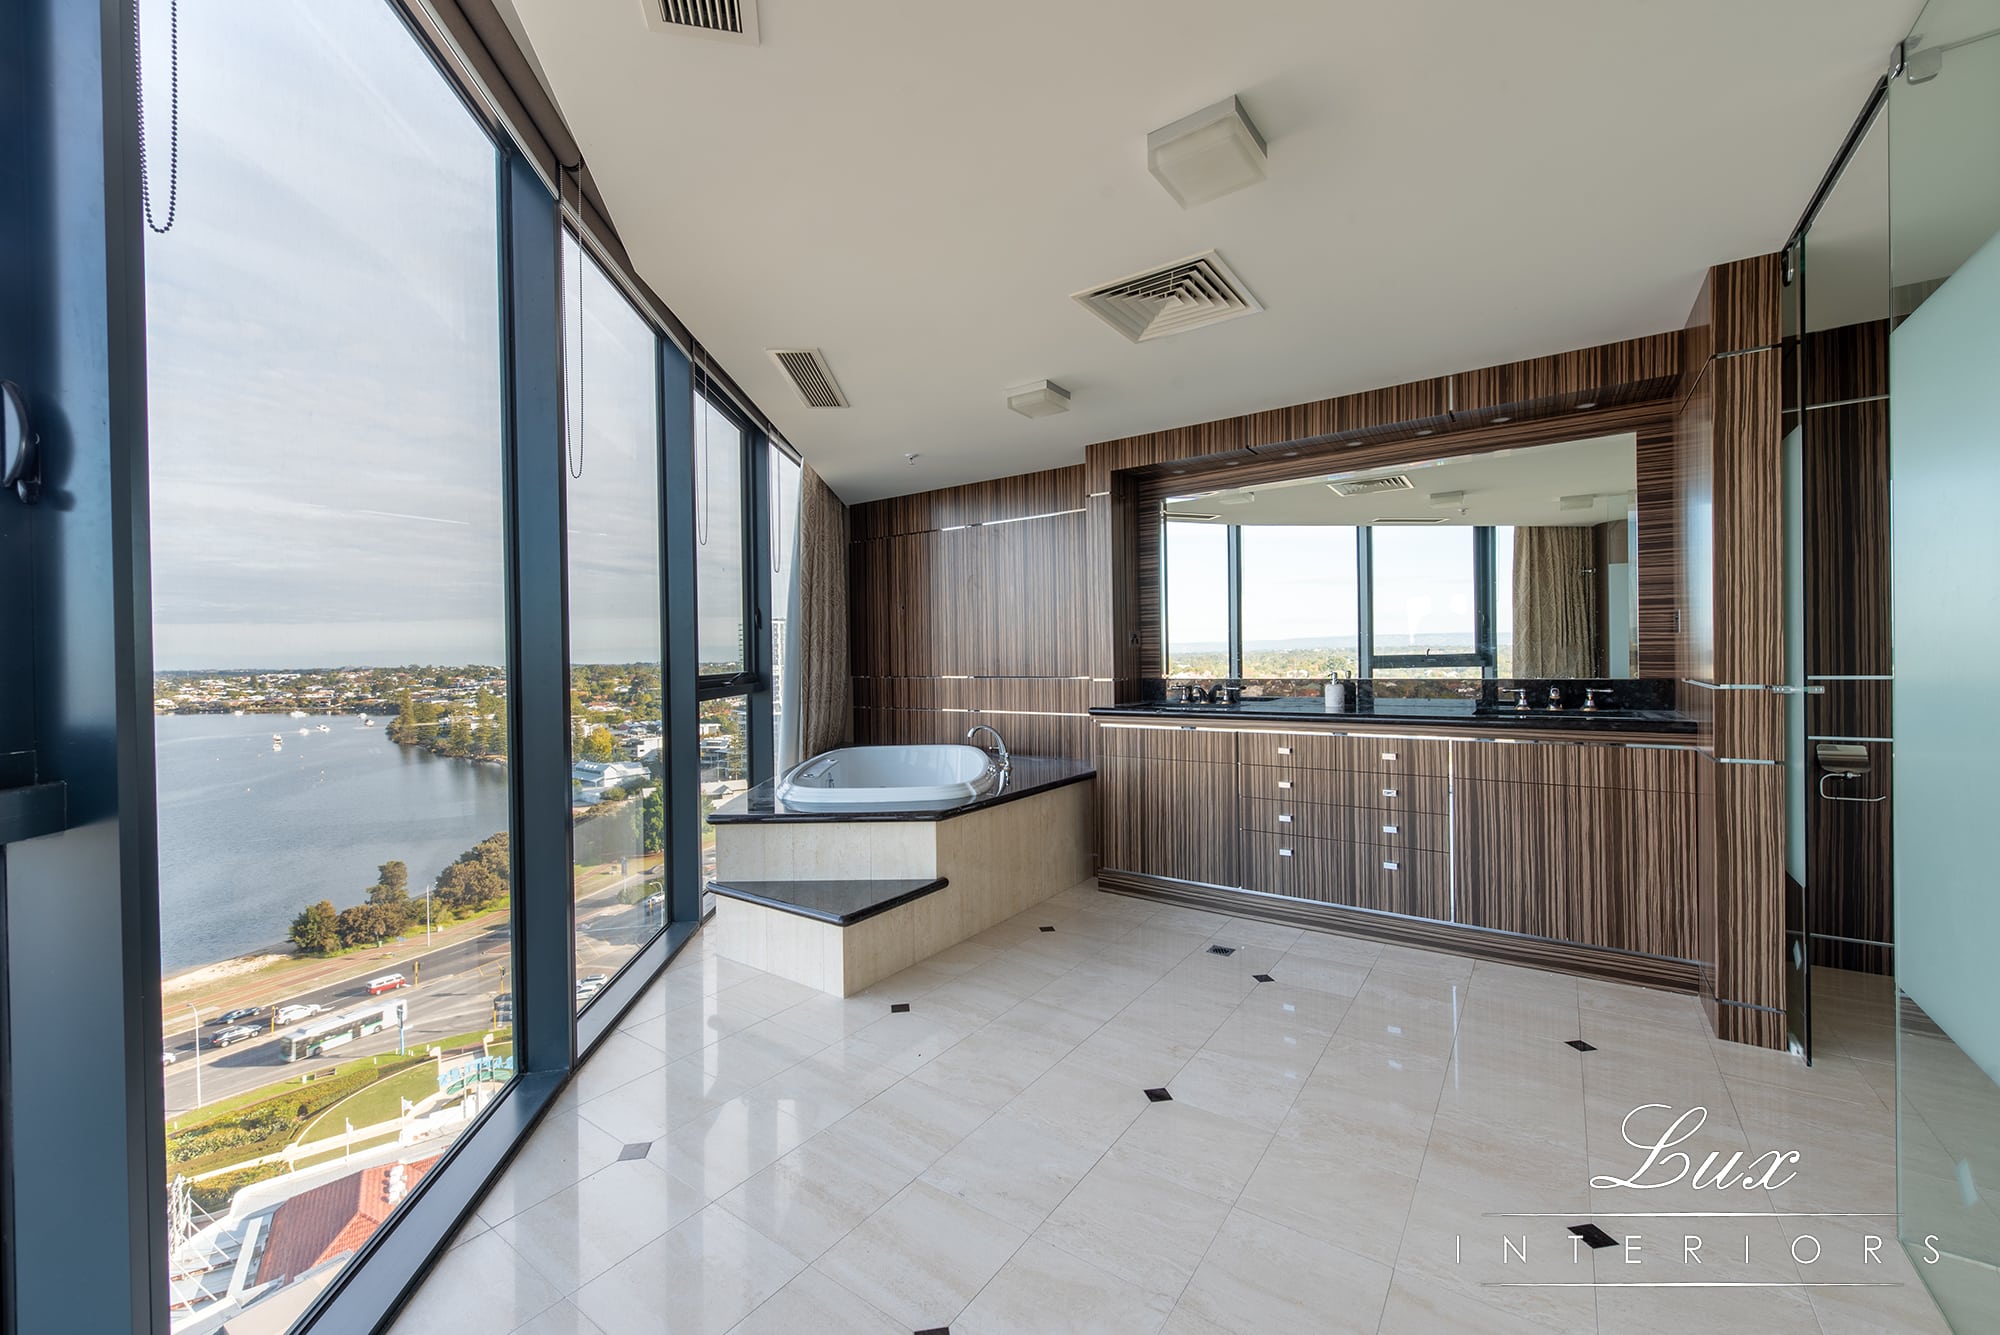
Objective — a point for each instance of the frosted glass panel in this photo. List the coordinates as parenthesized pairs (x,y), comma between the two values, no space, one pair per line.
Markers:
(1944,404)
(1944,400)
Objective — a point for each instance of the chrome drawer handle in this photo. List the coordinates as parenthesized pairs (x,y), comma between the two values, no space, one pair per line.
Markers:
(1284,852)
(1388,755)
(1388,866)
(1388,792)
(1285,818)
(1389,829)
(1284,750)
(1284,783)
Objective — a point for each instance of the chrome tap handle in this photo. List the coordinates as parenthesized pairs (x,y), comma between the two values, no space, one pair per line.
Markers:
(1520,694)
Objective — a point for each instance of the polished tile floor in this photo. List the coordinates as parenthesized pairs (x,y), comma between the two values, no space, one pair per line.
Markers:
(1353,1137)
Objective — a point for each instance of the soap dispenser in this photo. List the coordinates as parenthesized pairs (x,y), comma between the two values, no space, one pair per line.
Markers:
(1336,695)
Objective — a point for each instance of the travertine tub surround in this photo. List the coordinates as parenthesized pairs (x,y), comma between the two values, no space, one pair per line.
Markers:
(999,860)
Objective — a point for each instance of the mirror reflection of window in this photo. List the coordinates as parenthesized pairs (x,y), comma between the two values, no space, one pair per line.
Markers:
(1197,601)
(1426,600)
(1300,613)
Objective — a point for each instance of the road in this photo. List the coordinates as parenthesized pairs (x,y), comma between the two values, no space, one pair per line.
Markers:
(455,991)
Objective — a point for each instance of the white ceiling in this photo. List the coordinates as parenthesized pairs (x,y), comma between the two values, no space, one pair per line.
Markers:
(1504,487)
(918,189)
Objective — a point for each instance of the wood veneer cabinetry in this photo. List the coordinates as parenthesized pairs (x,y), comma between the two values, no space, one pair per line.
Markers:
(1167,803)
(1577,843)
(1574,843)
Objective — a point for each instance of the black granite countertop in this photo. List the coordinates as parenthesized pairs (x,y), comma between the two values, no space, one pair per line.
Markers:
(842,903)
(1027,776)
(1469,714)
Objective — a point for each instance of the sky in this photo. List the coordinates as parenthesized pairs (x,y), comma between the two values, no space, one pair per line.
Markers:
(323,367)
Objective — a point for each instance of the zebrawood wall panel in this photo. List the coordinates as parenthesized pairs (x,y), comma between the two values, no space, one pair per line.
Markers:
(1659,611)
(1728,471)
(1748,519)
(1016,497)
(1845,458)
(972,605)
(1636,369)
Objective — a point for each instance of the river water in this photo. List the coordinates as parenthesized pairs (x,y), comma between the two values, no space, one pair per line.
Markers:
(249,836)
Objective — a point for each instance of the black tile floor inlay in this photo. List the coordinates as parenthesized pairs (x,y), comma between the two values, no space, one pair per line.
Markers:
(899,1008)
(1222,950)
(1263,978)
(1594,1236)
(936,1330)
(1159,1096)
(638,1149)
(1582,1046)
(1048,929)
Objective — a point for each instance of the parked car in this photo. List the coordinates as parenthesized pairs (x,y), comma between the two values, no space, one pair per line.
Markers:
(237,1016)
(235,1035)
(169,1057)
(388,982)
(298,1010)
(589,987)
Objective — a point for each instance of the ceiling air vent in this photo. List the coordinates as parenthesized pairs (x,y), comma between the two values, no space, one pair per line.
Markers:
(811,376)
(1369,486)
(1182,296)
(1398,523)
(730,20)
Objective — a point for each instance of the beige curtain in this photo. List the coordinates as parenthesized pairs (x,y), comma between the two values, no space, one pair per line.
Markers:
(1553,634)
(818,665)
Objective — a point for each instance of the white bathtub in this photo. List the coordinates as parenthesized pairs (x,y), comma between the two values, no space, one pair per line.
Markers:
(879,778)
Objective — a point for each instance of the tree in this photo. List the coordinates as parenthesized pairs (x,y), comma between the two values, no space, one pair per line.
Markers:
(316,930)
(366,924)
(598,744)
(653,823)
(393,878)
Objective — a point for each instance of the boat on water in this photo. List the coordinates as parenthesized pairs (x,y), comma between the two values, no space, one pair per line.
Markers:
(298,713)
(305,732)
(277,742)
(236,713)
(367,722)
(324,728)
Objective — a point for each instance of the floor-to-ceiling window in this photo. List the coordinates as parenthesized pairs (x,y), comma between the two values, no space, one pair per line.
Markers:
(323,340)
(722,598)
(784,483)
(612,429)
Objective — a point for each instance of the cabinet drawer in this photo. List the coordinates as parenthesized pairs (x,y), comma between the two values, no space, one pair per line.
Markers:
(1398,881)
(1166,743)
(1322,870)
(1346,788)
(1300,820)
(1412,831)
(1580,765)
(1367,755)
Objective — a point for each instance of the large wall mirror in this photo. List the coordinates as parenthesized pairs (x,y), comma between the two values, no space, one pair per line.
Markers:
(1517,564)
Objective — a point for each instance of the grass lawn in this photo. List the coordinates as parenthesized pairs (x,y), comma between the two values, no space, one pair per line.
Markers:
(382,1100)
(208,1112)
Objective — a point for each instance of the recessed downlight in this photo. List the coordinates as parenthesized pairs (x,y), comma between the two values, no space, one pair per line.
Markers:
(1498,420)
(1591,404)
(1426,432)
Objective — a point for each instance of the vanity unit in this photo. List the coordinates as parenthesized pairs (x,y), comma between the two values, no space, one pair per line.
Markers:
(1553,841)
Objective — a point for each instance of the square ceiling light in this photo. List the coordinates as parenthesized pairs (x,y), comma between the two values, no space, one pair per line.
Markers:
(1038,398)
(1207,155)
